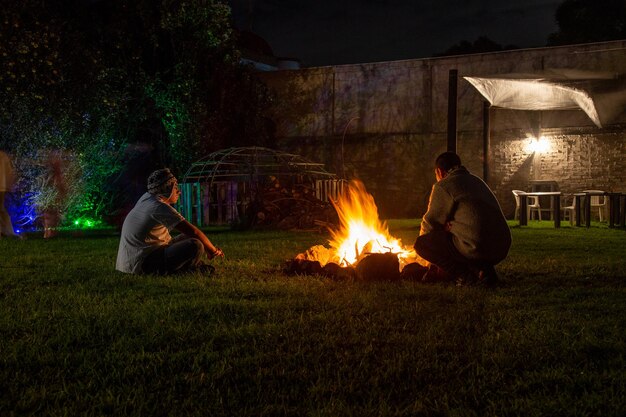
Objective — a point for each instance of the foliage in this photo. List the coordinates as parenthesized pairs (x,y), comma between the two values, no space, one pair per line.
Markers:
(99,79)
(482,44)
(32,58)
(582,21)
(77,338)
(58,184)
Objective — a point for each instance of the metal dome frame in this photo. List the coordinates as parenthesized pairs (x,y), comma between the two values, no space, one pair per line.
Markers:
(246,162)
(229,179)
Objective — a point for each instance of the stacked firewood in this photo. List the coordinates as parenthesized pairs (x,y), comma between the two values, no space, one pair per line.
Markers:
(294,207)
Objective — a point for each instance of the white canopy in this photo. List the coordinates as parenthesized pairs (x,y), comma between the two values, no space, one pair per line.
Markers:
(598,94)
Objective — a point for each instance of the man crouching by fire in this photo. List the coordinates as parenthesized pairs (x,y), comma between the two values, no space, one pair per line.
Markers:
(463,233)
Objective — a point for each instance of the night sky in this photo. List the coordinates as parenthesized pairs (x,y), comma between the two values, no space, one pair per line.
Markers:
(332,32)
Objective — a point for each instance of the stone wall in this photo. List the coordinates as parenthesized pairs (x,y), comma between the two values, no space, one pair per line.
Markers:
(386,122)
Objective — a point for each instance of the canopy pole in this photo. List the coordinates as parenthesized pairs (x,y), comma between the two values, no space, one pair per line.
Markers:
(452,105)
(486,139)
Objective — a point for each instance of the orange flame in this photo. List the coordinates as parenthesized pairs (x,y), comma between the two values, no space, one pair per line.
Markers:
(360,232)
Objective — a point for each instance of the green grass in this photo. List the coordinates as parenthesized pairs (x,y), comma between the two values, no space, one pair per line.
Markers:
(79,339)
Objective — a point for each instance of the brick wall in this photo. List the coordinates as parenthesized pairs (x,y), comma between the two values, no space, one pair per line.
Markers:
(575,162)
(386,122)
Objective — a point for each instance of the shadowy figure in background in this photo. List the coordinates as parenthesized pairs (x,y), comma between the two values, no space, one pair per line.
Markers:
(463,233)
(127,186)
(146,245)
(148,151)
(7,181)
(54,185)
(152,132)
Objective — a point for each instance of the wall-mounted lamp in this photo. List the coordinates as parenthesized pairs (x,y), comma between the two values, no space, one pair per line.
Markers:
(538,145)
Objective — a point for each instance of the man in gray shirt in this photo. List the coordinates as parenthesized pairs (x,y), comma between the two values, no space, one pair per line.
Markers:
(463,233)
(146,245)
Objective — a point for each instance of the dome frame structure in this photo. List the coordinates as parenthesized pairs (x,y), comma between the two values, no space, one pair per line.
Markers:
(221,187)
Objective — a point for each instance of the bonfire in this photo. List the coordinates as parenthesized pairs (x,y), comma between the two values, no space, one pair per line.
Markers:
(360,233)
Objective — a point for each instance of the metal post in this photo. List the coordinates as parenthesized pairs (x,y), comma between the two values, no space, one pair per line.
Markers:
(587,210)
(556,209)
(622,211)
(523,210)
(452,105)
(578,198)
(188,200)
(343,138)
(199,204)
(486,140)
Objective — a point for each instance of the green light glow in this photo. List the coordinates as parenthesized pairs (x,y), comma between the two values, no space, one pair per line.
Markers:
(86,223)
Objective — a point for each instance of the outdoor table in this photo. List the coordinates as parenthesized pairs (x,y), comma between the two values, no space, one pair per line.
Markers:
(555,206)
(617,207)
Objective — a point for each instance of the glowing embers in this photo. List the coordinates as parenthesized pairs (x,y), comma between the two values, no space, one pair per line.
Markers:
(360,235)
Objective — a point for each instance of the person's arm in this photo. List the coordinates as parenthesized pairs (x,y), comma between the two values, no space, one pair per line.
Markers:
(192,231)
(439,211)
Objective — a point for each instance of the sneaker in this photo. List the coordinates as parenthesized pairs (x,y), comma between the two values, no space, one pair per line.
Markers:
(435,274)
(466,280)
(13,236)
(205,269)
(488,277)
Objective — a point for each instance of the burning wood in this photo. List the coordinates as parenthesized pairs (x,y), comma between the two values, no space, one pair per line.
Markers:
(378,267)
(361,247)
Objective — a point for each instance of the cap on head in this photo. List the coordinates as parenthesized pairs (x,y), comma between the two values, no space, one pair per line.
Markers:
(161,181)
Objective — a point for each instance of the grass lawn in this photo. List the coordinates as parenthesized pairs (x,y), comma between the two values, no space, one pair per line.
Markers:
(79,339)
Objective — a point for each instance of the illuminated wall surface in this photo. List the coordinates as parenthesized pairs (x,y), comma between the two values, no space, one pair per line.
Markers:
(391,120)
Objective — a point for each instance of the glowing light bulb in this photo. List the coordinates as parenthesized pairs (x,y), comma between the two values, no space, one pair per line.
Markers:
(541,145)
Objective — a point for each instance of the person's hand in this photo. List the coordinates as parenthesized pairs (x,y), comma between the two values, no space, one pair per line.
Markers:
(217,252)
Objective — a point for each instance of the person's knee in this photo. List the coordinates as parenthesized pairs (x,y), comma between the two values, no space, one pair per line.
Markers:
(423,246)
(435,246)
(195,250)
(419,245)
(197,247)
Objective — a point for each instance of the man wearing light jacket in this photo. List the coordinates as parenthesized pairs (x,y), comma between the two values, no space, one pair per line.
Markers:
(463,233)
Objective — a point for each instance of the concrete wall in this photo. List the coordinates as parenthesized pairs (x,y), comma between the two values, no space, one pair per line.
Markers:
(386,122)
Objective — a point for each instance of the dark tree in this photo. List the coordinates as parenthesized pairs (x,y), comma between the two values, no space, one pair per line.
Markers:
(480,45)
(582,21)
(111,81)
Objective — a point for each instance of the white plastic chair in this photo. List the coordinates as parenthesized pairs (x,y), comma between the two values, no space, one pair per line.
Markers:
(569,212)
(533,204)
(598,201)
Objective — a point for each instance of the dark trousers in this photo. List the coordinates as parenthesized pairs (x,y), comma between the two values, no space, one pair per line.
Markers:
(6,227)
(181,254)
(438,248)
